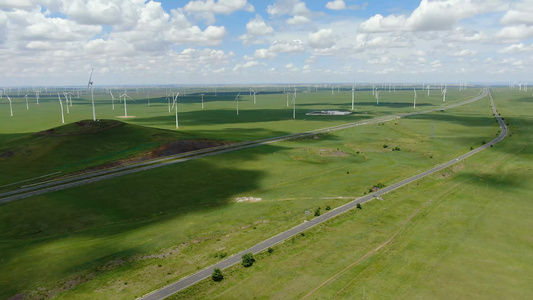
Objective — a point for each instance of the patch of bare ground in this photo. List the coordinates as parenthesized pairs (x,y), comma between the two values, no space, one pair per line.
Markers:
(172,148)
(332,153)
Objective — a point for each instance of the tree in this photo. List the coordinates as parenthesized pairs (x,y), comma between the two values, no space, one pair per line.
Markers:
(248,260)
(217,275)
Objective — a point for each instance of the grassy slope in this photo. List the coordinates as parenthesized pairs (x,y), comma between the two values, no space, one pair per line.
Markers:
(73,148)
(462,233)
(109,225)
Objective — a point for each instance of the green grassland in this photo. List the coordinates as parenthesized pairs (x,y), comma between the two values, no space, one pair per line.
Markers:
(25,154)
(462,233)
(124,237)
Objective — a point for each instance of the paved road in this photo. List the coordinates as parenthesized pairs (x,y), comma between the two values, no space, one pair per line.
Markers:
(205,273)
(82,179)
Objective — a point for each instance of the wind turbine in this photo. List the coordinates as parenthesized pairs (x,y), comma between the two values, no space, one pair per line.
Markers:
(294,105)
(237,99)
(428,89)
(125,106)
(332,90)
(377,97)
(66,99)
(175,104)
(112,100)
(148,98)
(444,95)
(89,85)
(414,99)
(202,100)
(27,106)
(353,95)
(287,98)
(10,104)
(61,104)
(254,94)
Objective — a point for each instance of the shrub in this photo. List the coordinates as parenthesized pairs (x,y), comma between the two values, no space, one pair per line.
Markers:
(397,148)
(385,146)
(328,207)
(317,212)
(270,250)
(359,206)
(217,275)
(248,260)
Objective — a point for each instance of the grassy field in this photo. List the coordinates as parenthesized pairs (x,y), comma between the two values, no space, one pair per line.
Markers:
(23,153)
(124,237)
(461,233)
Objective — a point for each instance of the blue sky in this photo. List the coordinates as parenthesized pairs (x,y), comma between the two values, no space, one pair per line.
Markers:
(57,42)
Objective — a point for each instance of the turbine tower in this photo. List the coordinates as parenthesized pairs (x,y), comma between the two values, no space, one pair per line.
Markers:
(90,85)
(237,100)
(414,99)
(61,105)
(10,104)
(294,105)
(353,95)
(175,104)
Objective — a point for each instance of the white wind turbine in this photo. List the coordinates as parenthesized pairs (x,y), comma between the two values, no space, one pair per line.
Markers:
(287,93)
(124,96)
(10,104)
(37,96)
(237,100)
(112,100)
(377,97)
(202,100)
(61,105)
(353,95)
(27,106)
(66,100)
(428,89)
(294,105)
(254,94)
(90,85)
(175,104)
(444,95)
(414,99)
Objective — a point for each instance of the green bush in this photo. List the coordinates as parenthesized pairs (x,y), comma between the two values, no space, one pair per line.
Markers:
(317,212)
(248,260)
(385,146)
(328,207)
(359,206)
(270,250)
(217,275)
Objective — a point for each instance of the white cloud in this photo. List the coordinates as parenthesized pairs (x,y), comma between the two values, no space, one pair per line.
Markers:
(324,38)
(466,53)
(517,48)
(254,28)
(246,65)
(336,5)
(295,8)
(218,7)
(514,17)
(430,15)
(296,20)
(514,33)
(461,34)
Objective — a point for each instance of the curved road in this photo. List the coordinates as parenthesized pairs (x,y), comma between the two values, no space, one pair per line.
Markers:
(205,273)
(82,179)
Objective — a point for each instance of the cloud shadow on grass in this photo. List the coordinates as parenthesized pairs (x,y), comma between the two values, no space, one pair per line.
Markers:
(118,206)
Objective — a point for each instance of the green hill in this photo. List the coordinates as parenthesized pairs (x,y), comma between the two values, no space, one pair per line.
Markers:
(86,145)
